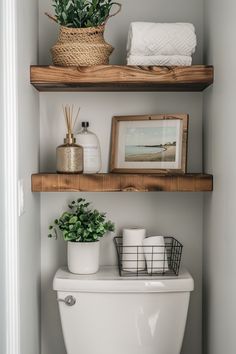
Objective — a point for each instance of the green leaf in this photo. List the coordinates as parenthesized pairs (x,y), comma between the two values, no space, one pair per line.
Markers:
(65,215)
(73,220)
(82,13)
(79,231)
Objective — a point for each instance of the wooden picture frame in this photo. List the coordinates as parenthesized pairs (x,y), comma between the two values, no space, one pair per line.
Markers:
(149,144)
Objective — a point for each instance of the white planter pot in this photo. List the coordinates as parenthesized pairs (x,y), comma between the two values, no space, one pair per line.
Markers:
(83,257)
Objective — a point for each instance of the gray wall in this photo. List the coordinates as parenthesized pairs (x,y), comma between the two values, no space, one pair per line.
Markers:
(29,223)
(219,213)
(2,243)
(165,213)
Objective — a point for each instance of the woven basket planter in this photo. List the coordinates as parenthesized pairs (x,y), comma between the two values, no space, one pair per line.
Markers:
(81,46)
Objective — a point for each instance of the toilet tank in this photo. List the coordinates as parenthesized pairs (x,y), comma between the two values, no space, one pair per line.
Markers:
(106,314)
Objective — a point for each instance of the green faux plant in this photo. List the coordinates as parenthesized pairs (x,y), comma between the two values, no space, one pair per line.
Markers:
(81,223)
(82,13)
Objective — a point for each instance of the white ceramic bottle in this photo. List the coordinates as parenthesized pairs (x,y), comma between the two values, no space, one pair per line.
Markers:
(91,148)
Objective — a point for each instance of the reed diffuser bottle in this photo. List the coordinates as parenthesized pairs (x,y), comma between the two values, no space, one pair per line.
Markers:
(70,155)
(91,149)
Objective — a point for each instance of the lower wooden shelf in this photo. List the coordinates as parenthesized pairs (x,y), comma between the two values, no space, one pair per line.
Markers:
(111,182)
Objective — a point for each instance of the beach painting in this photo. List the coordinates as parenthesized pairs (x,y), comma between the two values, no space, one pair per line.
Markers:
(149,144)
(143,144)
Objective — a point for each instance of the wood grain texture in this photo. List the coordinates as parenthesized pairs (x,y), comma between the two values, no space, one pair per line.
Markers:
(121,78)
(121,183)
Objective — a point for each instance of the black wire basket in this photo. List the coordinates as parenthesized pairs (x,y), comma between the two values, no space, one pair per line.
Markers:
(149,260)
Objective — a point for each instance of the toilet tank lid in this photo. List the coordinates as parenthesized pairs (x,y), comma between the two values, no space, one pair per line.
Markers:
(108,280)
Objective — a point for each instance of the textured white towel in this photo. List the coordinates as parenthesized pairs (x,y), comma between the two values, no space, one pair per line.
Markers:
(160,60)
(151,39)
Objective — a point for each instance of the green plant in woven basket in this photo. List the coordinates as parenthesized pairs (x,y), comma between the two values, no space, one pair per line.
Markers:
(81,223)
(82,13)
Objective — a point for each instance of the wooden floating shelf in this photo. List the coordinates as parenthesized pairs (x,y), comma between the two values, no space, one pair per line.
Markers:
(121,183)
(108,78)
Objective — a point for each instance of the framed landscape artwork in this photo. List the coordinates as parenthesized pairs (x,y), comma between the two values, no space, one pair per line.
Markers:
(149,144)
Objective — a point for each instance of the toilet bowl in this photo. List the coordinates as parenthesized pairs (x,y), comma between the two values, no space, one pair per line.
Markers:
(106,314)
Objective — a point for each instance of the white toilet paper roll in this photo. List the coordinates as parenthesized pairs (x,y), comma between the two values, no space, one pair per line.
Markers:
(155,254)
(133,256)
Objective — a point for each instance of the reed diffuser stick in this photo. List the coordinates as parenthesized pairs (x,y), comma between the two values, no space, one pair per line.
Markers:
(69,117)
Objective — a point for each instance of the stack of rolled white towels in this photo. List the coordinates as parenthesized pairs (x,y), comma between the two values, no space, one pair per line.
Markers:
(161,44)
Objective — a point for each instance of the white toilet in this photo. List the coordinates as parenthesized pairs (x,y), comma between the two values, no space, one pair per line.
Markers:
(106,314)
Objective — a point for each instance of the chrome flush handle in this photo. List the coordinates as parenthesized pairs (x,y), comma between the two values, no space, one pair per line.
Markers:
(69,300)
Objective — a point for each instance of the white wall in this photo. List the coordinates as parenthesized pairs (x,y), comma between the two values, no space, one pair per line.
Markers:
(219,231)
(2,262)
(166,213)
(2,243)
(29,223)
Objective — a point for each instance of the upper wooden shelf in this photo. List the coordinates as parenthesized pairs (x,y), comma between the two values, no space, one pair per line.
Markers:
(121,78)
(112,182)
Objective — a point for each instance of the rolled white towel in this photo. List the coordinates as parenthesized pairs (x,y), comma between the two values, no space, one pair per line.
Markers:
(146,38)
(160,60)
